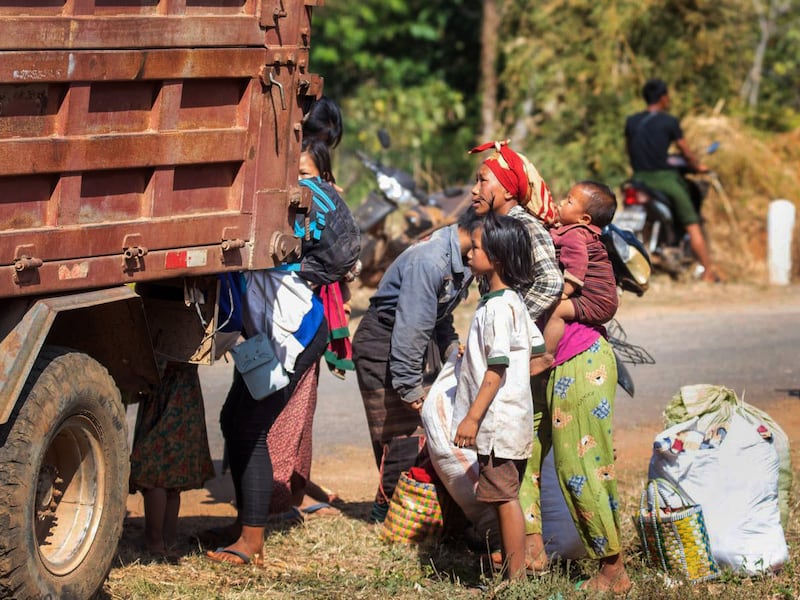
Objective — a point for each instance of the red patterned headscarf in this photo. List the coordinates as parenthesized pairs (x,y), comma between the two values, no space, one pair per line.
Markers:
(520,178)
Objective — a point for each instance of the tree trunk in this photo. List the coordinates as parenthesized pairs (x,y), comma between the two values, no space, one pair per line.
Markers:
(767,17)
(488,85)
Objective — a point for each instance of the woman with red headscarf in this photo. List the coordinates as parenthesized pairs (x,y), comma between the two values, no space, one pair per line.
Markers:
(573,402)
(508,184)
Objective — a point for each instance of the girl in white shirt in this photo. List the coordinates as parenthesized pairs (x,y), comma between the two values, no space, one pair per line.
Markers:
(493,408)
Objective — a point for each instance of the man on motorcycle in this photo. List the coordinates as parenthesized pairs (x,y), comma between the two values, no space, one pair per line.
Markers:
(648,136)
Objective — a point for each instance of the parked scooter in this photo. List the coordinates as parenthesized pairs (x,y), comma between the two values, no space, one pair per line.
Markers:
(382,241)
(650,215)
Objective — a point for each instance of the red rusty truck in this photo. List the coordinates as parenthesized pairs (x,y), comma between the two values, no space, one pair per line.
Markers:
(142,142)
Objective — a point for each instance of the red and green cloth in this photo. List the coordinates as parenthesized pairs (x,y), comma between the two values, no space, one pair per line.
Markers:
(339,353)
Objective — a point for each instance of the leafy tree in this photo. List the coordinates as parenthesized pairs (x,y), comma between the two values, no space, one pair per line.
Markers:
(584,62)
(778,105)
(569,72)
(406,66)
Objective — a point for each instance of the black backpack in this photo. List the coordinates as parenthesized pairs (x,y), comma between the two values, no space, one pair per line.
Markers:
(334,242)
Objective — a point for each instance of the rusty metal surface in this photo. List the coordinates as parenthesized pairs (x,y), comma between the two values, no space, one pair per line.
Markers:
(130,65)
(121,126)
(115,151)
(75,274)
(152,32)
(19,349)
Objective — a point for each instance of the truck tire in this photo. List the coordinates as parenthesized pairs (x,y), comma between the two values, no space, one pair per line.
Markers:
(63,480)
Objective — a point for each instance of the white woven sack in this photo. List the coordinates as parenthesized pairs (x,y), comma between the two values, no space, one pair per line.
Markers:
(737,486)
(457,467)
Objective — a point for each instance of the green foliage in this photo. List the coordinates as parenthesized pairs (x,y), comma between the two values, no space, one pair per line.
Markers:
(779,106)
(395,43)
(406,66)
(415,119)
(585,63)
(570,71)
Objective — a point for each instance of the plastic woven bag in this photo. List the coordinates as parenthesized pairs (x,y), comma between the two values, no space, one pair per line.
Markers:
(704,399)
(733,474)
(414,512)
(673,532)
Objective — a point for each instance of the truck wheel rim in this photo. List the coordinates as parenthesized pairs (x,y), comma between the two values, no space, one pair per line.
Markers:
(69,492)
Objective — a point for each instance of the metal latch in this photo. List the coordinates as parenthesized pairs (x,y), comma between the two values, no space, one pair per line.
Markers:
(267,76)
(228,245)
(26,263)
(285,247)
(133,252)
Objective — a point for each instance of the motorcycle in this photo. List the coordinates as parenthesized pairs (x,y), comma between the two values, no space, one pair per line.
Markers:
(383,240)
(649,214)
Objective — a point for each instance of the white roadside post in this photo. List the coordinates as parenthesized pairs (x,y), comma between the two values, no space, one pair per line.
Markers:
(780,225)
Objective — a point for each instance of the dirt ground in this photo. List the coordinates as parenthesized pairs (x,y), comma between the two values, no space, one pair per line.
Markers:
(352,475)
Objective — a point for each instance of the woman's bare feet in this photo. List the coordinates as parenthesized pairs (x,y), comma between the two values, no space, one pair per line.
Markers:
(535,555)
(599,584)
(611,578)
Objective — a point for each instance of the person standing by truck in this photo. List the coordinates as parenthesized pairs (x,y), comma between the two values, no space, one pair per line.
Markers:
(290,439)
(170,452)
(327,256)
(291,446)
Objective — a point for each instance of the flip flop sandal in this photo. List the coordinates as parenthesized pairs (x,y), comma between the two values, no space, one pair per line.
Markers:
(310,510)
(293,516)
(246,560)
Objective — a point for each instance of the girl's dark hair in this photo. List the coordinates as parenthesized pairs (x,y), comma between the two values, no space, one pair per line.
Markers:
(318,151)
(506,240)
(602,202)
(323,121)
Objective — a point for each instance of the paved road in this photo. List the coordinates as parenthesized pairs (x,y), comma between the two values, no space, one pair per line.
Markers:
(750,347)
